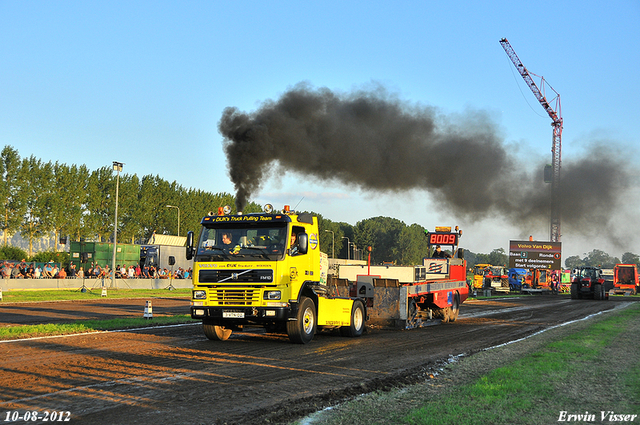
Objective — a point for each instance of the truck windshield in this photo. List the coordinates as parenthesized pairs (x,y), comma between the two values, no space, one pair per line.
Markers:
(231,243)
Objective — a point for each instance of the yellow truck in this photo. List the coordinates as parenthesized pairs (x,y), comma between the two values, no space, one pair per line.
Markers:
(267,270)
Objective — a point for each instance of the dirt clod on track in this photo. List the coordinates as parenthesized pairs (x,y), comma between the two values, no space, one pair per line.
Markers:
(176,375)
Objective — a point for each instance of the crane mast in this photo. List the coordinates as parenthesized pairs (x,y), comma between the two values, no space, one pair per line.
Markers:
(556,118)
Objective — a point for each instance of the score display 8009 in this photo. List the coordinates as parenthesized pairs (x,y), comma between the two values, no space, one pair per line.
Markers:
(443,239)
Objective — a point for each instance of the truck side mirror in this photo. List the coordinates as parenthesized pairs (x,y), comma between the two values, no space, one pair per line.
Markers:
(303,243)
(190,250)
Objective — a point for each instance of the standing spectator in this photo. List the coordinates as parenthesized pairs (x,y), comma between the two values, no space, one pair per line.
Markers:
(132,272)
(37,272)
(138,271)
(81,272)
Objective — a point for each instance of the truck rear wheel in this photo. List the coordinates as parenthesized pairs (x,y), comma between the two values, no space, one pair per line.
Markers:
(455,308)
(357,321)
(301,331)
(216,333)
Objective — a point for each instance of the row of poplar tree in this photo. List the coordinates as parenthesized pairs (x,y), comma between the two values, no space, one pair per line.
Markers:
(42,198)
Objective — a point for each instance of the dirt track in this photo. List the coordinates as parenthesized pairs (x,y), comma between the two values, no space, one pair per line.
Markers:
(175,375)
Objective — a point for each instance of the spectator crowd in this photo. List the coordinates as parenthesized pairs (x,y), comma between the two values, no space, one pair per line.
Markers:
(50,270)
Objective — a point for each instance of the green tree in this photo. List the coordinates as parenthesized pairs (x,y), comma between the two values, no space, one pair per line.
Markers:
(600,259)
(630,258)
(573,262)
(13,199)
(12,253)
(37,185)
(67,206)
(498,257)
(330,234)
(382,234)
(100,203)
(129,227)
(412,245)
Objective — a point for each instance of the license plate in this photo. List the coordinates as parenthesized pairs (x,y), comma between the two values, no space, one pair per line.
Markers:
(232,315)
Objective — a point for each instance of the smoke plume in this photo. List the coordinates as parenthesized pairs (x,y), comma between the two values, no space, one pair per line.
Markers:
(374,141)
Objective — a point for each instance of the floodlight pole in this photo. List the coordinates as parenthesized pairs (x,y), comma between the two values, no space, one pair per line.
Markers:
(118,167)
(348,247)
(333,245)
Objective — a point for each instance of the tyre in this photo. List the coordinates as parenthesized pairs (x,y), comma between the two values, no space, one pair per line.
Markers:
(445,314)
(302,329)
(216,333)
(357,321)
(575,291)
(455,309)
(598,292)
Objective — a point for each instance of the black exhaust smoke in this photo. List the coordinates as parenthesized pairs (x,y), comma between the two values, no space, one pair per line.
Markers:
(372,140)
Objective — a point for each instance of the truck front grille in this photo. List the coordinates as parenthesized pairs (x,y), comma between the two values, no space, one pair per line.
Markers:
(228,296)
(233,276)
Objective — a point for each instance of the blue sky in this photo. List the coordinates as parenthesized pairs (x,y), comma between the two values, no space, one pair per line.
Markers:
(145,83)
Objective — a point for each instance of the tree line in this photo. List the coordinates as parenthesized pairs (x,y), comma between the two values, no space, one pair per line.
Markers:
(43,198)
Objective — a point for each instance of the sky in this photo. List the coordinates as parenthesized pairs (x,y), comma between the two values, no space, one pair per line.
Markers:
(147,83)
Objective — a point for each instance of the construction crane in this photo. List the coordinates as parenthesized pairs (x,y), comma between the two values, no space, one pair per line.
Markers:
(556,117)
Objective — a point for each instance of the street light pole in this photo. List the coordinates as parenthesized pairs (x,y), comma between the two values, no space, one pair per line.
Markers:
(348,247)
(118,167)
(333,244)
(173,206)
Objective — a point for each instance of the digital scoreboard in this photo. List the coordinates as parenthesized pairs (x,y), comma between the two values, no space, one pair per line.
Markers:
(443,238)
(535,255)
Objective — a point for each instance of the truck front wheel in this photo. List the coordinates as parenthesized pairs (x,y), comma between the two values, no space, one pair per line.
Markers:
(216,333)
(357,321)
(302,329)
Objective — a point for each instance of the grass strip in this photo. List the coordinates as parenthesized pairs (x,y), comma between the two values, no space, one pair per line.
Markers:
(92,294)
(588,367)
(84,326)
(538,387)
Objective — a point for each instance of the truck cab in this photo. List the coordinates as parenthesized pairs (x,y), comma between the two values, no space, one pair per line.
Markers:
(265,270)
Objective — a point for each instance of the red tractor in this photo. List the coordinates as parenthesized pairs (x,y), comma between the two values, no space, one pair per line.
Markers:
(590,283)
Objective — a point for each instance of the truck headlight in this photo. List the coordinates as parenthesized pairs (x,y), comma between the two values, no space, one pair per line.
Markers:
(199,295)
(271,295)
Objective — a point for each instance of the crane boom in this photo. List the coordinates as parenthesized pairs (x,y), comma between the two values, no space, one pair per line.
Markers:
(556,117)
